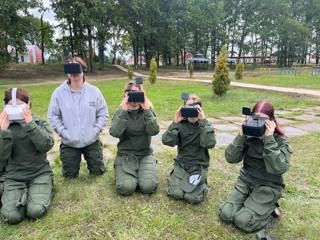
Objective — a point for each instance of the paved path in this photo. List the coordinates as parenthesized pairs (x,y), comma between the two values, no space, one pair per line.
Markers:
(296,122)
(301,91)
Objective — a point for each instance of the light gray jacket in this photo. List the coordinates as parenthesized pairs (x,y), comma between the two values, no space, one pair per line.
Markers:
(78,116)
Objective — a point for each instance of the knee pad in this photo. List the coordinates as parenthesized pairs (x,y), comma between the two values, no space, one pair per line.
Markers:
(148,185)
(244,220)
(35,211)
(126,187)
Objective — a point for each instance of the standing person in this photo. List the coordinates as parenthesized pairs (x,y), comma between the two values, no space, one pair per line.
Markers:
(253,202)
(193,136)
(24,143)
(134,123)
(78,113)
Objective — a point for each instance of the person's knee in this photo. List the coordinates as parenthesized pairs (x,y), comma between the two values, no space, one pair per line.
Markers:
(126,186)
(69,172)
(193,198)
(13,216)
(36,211)
(148,185)
(227,212)
(97,171)
(174,192)
(244,220)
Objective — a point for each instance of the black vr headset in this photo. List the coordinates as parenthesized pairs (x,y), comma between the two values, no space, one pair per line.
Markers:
(136,96)
(254,126)
(72,68)
(189,110)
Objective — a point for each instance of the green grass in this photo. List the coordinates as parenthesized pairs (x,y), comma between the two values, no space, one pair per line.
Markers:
(165,96)
(305,80)
(89,208)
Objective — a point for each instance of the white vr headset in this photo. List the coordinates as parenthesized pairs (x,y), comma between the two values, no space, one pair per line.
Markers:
(14,110)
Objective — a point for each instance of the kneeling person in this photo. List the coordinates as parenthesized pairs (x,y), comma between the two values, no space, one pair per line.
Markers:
(134,123)
(194,136)
(24,141)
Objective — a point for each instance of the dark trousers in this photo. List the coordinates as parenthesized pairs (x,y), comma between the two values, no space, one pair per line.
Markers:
(71,158)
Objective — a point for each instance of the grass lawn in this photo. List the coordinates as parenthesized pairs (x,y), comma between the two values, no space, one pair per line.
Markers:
(165,96)
(305,80)
(89,208)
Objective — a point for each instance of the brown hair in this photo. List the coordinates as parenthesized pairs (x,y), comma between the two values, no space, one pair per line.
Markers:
(81,62)
(267,108)
(22,94)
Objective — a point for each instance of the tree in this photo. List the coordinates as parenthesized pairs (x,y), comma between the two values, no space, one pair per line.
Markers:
(239,71)
(153,71)
(221,81)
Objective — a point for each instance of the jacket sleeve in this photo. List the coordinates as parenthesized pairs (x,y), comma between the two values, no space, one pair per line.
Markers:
(119,123)
(5,148)
(41,135)
(102,114)
(235,151)
(171,136)
(207,136)
(152,127)
(276,154)
(55,116)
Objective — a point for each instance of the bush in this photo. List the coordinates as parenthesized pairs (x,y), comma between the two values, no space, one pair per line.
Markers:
(130,72)
(153,71)
(190,70)
(239,71)
(221,83)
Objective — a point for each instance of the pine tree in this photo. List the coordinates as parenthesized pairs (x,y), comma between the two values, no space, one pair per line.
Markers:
(239,71)
(130,72)
(153,71)
(221,82)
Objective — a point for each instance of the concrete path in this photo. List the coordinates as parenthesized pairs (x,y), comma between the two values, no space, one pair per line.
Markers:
(300,91)
(295,122)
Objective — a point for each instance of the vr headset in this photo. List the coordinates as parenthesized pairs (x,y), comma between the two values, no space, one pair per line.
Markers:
(72,68)
(135,96)
(189,110)
(254,125)
(15,111)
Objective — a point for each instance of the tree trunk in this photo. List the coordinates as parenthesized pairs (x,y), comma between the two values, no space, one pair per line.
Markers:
(90,50)
(42,39)
(71,39)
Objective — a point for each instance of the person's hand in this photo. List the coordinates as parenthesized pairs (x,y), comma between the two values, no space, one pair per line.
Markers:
(146,104)
(27,114)
(4,121)
(271,126)
(241,130)
(124,103)
(201,115)
(178,117)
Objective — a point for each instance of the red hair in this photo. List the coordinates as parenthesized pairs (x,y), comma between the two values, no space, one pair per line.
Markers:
(267,108)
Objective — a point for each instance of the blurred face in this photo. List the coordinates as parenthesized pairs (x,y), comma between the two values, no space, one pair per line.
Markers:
(75,77)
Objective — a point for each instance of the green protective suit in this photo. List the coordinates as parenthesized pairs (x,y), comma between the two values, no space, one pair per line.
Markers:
(258,188)
(28,175)
(135,165)
(192,162)
(71,158)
